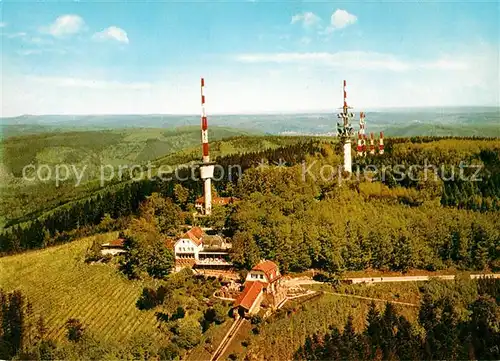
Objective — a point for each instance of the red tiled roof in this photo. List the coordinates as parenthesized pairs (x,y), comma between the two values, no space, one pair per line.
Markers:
(197,231)
(269,268)
(247,298)
(117,242)
(194,234)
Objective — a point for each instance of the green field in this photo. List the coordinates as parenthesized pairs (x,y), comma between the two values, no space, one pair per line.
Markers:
(61,286)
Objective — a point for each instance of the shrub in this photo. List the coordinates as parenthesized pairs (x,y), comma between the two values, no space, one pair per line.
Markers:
(148,299)
(74,329)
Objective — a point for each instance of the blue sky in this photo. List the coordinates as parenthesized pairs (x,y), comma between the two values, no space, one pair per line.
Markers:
(257,56)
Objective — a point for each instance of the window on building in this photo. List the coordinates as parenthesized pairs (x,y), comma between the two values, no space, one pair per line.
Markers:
(261,277)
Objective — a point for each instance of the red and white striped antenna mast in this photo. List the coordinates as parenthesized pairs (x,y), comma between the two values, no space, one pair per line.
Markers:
(206,168)
(204,125)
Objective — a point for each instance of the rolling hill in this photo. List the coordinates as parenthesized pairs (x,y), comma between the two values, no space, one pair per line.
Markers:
(93,148)
(88,151)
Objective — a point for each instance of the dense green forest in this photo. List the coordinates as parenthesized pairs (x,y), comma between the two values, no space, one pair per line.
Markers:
(456,321)
(362,223)
(311,221)
(117,200)
(295,207)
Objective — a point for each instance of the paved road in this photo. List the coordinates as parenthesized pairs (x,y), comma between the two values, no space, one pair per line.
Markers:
(309,281)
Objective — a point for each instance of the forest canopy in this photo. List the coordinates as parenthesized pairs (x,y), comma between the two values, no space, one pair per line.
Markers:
(372,221)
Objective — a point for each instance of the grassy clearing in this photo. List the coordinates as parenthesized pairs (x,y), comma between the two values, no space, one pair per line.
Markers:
(61,286)
(238,346)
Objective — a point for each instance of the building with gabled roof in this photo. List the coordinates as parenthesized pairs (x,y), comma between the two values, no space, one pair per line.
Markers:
(251,297)
(114,247)
(197,249)
(263,283)
(268,269)
(194,235)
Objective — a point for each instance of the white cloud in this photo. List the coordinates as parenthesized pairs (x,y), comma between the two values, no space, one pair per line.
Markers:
(65,25)
(341,18)
(298,85)
(25,37)
(2,24)
(17,35)
(308,19)
(355,60)
(39,41)
(112,33)
(89,84)
(446,64)
(27,52)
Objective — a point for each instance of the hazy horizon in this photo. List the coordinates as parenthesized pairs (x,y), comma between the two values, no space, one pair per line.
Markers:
(284,112)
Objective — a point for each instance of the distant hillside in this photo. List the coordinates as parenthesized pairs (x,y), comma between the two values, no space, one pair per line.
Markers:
(22,200)
(443,130)
(482,121)
(87,151)
(93,148)
(16,130)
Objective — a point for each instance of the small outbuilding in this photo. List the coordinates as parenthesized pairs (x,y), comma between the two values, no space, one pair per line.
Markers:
(114,247)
